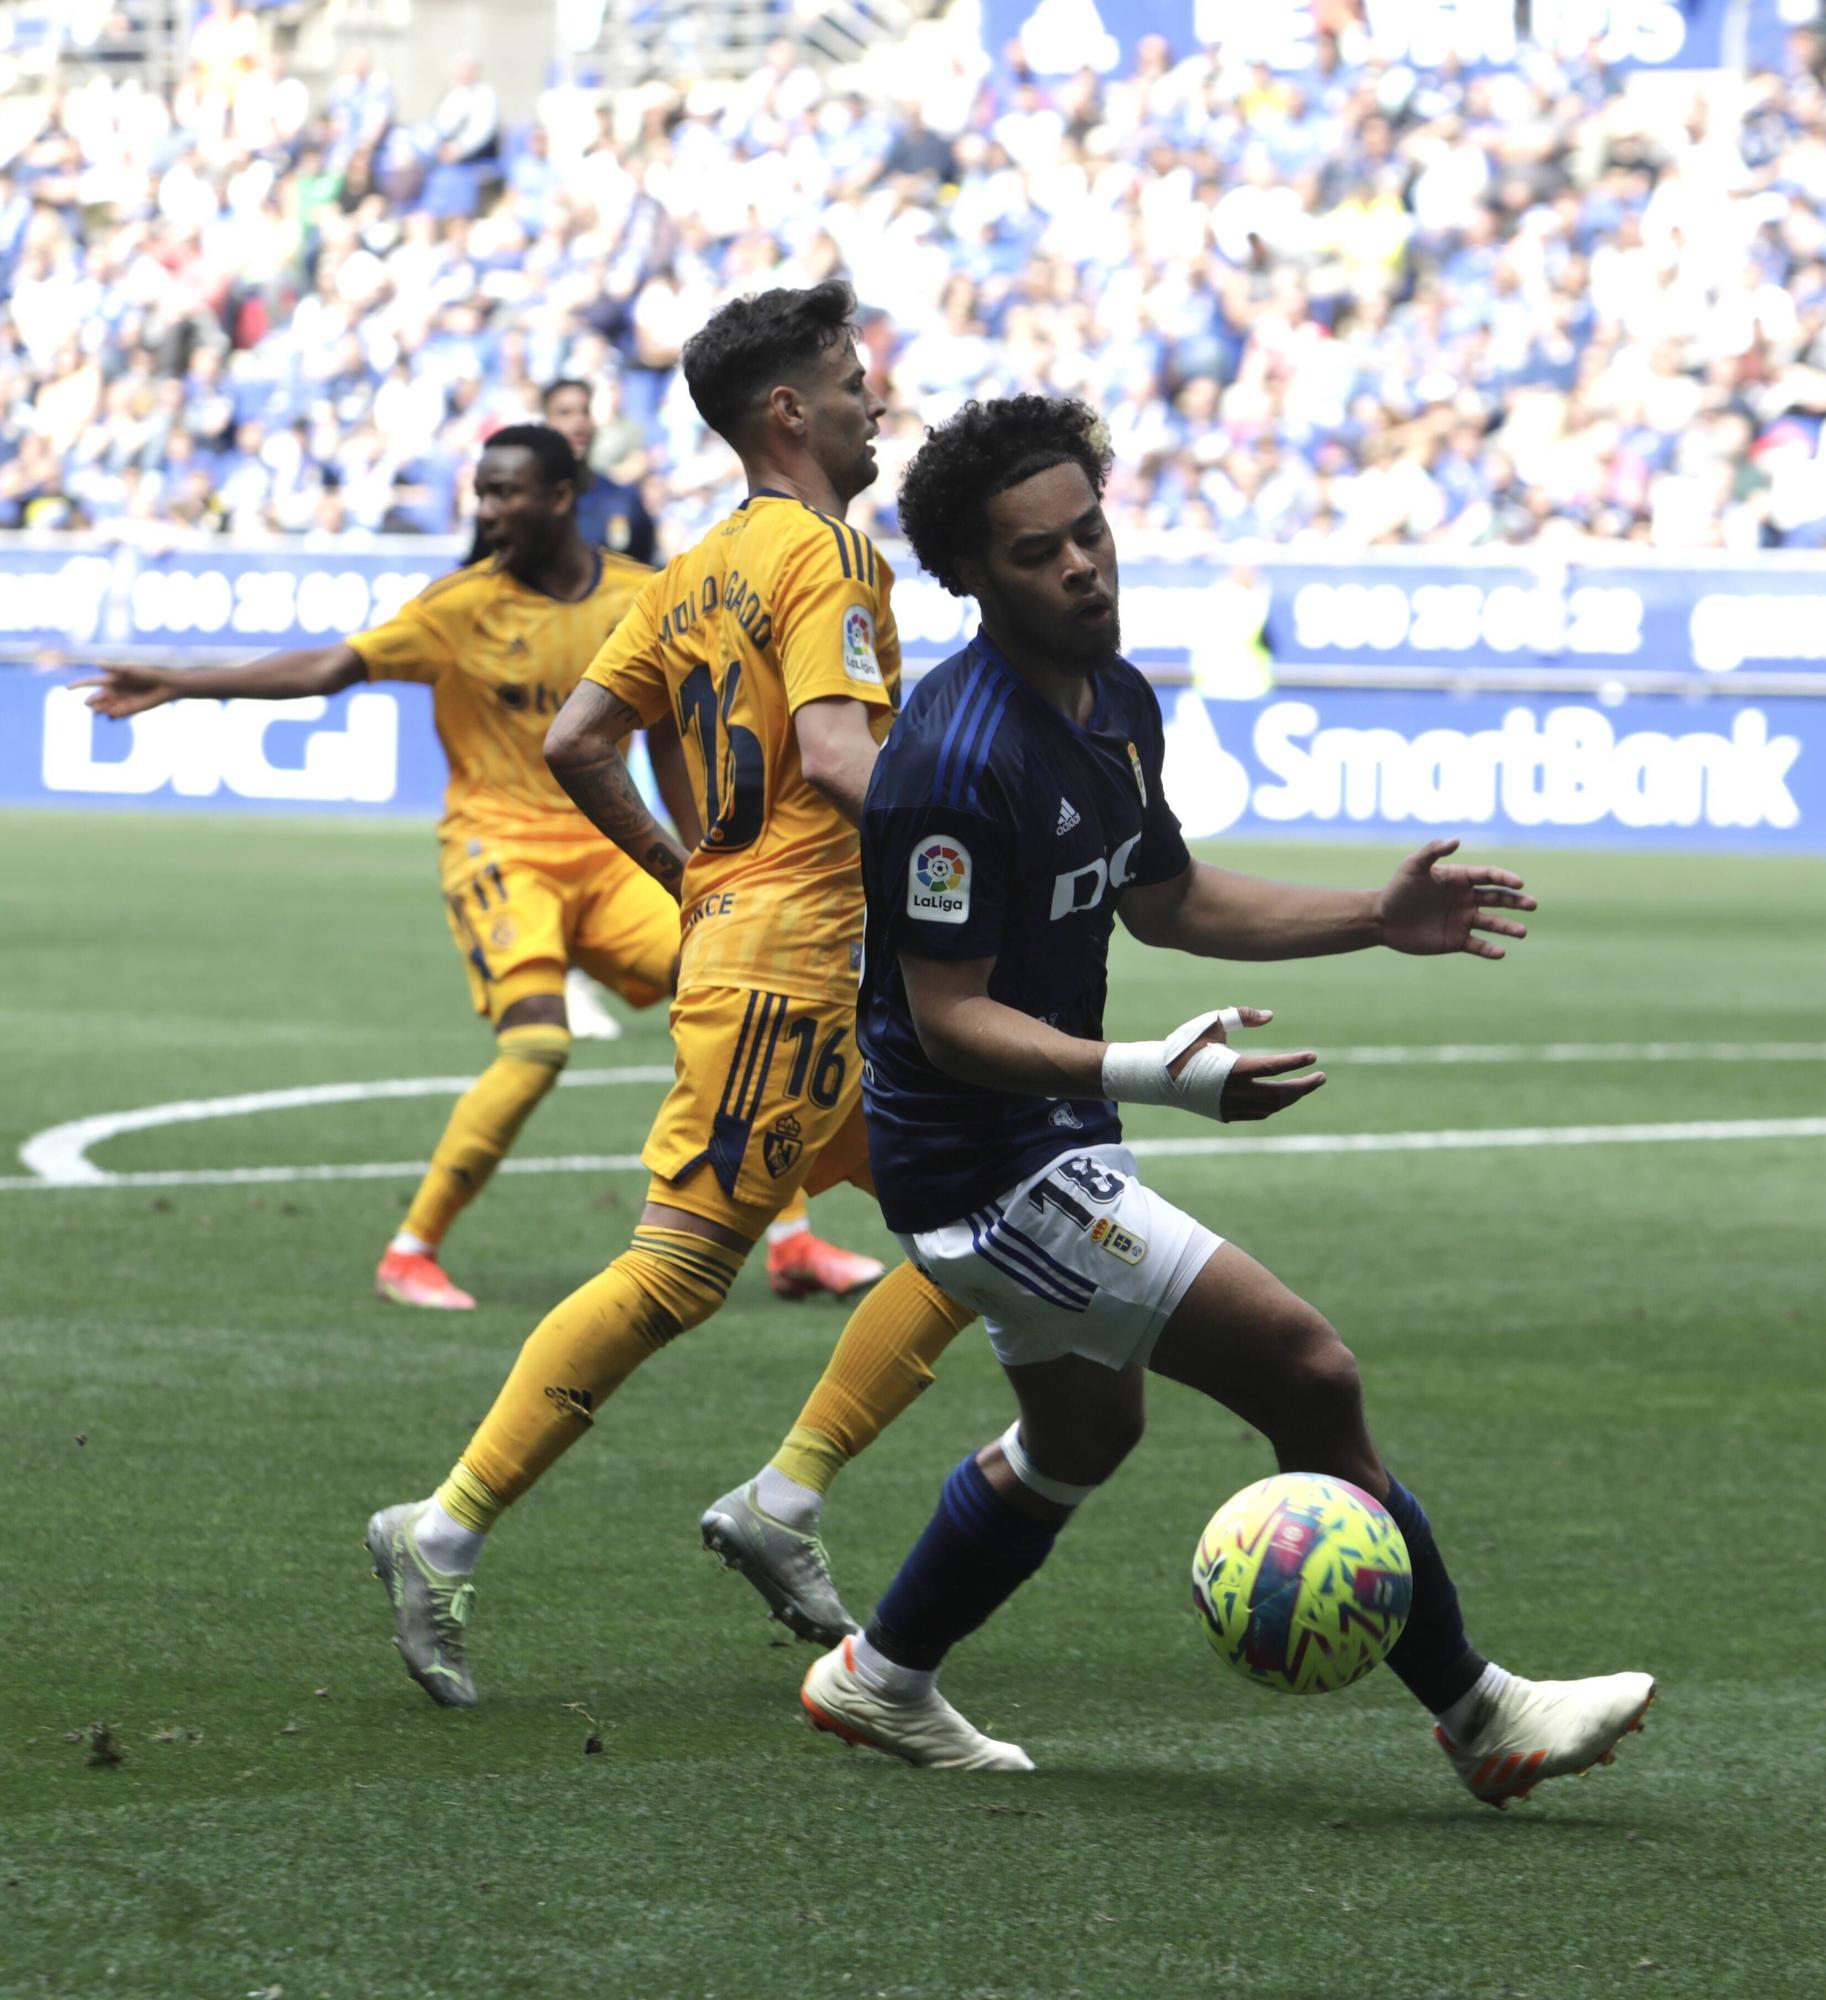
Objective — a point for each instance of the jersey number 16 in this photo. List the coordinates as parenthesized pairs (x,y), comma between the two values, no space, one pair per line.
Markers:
(732,817)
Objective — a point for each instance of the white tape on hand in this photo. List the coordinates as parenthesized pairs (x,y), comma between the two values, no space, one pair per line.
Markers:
(1140,1072)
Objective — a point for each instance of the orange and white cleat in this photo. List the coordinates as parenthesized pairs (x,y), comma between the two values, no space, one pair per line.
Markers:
(802,1263)
(1534,1730)
(409,1278)
(926,1730)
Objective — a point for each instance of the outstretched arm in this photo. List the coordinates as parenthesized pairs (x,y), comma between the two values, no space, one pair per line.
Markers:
(126,690)
(581,748)
(1424,908)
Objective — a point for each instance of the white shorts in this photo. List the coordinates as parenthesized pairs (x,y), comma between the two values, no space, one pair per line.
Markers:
(1079,1258)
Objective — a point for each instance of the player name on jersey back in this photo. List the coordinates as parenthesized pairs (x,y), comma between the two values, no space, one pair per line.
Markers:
(777,606)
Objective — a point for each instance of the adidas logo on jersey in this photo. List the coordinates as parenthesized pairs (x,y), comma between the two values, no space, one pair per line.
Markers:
(1068,816)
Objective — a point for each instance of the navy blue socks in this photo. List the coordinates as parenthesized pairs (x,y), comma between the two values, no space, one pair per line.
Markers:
(1433,1658)
(976,1552)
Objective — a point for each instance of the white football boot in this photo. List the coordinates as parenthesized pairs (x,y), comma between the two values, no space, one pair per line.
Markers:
(1530,1731)
(928,1732)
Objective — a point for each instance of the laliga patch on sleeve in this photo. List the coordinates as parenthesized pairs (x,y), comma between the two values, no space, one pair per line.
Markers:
(859,661)
(938,881)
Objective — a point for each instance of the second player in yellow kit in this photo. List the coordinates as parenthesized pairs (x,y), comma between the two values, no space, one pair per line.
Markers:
(778,607)
(771,645)
(527,885)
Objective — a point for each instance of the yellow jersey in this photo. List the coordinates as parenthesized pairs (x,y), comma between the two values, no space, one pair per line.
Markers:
(777,606)
(501,659)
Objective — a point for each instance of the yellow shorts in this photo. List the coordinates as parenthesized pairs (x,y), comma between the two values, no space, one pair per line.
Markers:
(767,1099)
(522,911)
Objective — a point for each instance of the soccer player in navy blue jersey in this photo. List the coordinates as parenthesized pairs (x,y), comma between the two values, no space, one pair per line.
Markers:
(1014,813)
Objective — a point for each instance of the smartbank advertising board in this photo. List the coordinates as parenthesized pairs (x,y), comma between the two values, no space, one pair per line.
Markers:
(1643,771)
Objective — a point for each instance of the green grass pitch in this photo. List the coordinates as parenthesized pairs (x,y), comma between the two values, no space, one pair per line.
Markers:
(1600,1366)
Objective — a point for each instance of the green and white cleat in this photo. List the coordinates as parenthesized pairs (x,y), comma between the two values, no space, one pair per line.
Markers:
(788,1568)
(928,1732)
(1535,1730)
(430,1609)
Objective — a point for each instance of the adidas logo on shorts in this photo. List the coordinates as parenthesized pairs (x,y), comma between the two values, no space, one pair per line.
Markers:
(1068,816)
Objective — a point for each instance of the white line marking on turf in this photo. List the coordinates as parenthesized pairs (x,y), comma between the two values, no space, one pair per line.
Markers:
(1306,1142)
(59,1155)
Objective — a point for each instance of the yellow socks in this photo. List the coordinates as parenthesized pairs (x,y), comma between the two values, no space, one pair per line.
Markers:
(579,1355)
(485,1123)
(882,1361)
(467,1501)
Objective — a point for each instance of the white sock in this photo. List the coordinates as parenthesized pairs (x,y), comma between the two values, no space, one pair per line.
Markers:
(782,1232)
(1456,1720)
(786,1501)
(413,1246)
(448,1546)
(888,1678)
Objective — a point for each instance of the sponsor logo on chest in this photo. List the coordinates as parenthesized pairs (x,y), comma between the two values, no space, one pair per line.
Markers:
(1079,890)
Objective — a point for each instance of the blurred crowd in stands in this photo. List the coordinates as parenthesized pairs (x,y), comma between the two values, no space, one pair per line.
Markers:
(1360,305)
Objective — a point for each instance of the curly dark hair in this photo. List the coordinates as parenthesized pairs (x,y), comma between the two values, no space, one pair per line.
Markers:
(742,351)
(982,451)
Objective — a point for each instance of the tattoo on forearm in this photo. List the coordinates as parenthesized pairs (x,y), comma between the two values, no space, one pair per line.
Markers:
(606,794)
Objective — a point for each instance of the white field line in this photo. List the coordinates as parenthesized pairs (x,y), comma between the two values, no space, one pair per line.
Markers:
(1697,1131)
(58,1156)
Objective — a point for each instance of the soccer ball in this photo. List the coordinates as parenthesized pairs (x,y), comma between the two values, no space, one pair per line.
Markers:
(1303,1583)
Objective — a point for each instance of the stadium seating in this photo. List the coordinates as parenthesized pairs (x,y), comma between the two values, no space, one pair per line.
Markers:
(1365,304)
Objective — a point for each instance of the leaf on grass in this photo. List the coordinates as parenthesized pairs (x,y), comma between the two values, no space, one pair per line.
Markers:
(1648,1965)
(82,1437)
(322,1694)
(175,1732)
(592,1745)
(291,1729)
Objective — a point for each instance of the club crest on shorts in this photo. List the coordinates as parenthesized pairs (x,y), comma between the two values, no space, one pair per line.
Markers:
(938,881)
(1119,1242)
(782,1144)
(859,661)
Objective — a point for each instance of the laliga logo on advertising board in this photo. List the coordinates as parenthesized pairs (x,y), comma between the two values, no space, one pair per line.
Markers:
(200,748)
(1567,767)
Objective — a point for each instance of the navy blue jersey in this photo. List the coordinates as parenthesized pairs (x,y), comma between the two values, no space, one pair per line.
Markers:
(997,828)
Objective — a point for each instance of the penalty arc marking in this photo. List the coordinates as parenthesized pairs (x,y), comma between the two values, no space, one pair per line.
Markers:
(59,1156)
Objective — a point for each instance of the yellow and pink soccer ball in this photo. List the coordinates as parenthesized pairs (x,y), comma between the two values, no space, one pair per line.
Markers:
(1302,1583)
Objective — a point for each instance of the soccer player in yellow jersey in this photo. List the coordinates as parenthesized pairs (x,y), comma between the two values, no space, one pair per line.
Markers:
(528,884)
(772,645)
